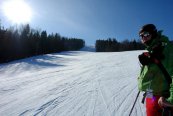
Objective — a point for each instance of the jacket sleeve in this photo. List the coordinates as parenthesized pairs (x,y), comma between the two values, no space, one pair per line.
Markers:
(170,70)
(170,99)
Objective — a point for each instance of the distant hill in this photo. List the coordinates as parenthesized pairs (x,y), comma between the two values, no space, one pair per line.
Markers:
(88,48)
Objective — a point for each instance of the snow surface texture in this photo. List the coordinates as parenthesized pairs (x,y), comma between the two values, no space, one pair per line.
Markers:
(71,84)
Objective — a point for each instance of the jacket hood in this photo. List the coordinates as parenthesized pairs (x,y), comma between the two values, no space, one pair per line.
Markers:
(160,39)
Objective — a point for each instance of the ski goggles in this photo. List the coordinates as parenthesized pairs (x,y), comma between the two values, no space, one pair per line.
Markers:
(144,34)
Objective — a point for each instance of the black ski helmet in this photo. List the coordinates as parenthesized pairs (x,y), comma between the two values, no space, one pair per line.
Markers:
(150,28)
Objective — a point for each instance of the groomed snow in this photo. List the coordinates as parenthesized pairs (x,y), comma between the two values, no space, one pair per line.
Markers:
(71,84)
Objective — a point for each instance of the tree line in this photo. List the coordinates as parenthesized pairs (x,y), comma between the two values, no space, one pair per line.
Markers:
(17,43)
(112,45)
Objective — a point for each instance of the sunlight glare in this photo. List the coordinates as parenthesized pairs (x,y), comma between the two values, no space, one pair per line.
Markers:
(17,11)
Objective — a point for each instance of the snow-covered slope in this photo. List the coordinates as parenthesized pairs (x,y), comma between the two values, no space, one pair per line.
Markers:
(71,84)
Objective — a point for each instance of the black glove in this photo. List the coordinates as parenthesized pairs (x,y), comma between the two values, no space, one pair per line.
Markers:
(145,58)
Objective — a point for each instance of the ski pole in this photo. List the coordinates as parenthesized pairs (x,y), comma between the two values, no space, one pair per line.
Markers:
(134,103)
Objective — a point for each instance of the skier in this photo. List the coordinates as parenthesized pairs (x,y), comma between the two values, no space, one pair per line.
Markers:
(152,80)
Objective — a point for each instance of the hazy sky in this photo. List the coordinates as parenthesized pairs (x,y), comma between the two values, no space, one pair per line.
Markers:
(98,19)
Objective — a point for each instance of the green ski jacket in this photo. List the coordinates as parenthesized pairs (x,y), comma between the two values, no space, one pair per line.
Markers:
(151,77)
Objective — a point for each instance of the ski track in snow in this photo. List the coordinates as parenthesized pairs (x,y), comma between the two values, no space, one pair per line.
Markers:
(71,84)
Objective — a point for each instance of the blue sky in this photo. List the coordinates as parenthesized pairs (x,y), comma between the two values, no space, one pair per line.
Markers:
(99,19)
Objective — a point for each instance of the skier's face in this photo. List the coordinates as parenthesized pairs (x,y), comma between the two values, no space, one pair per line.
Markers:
(145,37)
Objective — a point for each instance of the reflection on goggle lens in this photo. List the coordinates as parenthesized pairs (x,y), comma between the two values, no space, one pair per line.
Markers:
(146,34)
